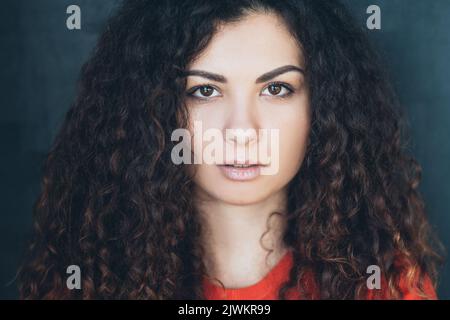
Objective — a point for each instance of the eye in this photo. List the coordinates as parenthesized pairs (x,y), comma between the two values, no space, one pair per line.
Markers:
(203,92)
(277,89)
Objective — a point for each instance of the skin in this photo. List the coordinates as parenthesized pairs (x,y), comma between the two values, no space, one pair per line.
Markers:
(235,213)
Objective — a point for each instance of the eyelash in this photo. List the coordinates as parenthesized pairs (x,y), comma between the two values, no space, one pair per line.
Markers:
(290,90)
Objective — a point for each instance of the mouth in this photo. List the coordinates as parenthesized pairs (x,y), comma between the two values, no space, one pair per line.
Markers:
(241,165)
(241,172)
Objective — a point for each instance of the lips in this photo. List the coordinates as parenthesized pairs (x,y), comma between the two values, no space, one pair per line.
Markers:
(241,165)
(240,172)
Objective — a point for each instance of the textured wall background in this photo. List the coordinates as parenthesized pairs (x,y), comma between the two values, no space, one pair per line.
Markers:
(40,61)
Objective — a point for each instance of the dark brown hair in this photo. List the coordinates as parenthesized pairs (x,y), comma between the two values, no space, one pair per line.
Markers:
(113,202)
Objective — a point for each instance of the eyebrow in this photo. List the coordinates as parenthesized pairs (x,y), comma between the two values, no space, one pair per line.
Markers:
(263,78)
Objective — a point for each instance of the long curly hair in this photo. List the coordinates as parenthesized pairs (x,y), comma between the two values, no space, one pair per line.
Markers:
(113,202)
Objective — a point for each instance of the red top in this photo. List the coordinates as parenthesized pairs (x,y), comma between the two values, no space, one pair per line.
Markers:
(267,288)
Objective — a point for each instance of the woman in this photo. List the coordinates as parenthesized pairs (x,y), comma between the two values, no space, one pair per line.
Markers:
(343,197)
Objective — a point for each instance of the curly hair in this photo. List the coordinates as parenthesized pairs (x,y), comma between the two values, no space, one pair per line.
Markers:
(113,202)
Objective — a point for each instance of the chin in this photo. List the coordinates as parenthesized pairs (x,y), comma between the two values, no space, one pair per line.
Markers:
(238,193)
(234,197)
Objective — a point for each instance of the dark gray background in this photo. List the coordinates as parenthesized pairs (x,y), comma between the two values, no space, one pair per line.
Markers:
(40,61)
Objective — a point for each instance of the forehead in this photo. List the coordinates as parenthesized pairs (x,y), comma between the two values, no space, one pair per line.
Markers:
(255,44)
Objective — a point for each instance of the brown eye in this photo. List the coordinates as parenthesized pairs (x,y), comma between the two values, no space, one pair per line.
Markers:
(277,90)
(203,92)
(274,89)
(206,91)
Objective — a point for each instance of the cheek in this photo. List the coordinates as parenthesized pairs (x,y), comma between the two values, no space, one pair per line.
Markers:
(293,148)
(200,119)
(294,125)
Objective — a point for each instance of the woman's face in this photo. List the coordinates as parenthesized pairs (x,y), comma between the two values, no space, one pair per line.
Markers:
(242,95)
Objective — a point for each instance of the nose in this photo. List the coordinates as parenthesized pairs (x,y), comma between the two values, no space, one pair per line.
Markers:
(241,136)
(241,125)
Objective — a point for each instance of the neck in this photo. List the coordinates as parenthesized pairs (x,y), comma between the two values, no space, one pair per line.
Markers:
(238,239)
